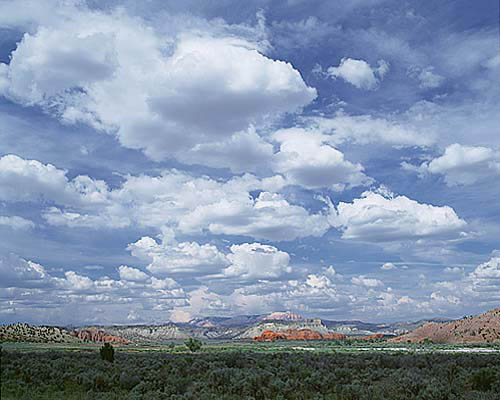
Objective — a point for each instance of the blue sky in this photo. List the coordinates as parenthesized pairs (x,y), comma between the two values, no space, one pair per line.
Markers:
(164,160)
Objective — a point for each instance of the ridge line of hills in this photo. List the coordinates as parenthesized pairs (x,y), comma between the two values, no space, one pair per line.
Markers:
(474,329)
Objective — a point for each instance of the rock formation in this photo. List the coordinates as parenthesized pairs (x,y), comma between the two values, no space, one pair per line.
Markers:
(376,336)
(270,336)
(154,333)
(22,332)
(283,316)
(334,336)
(297,334)
(97,335)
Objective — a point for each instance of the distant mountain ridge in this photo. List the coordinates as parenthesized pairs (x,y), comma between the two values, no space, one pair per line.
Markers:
(246,327)
(243,327)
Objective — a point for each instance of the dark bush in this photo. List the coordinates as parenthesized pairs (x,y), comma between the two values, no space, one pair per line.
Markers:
(107,352)
(483,379)
(193,344)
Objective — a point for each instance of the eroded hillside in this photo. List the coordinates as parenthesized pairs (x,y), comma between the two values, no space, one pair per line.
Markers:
(484,328)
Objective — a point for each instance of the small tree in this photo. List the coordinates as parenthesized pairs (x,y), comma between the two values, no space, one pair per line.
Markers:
(107,352)
(193,344)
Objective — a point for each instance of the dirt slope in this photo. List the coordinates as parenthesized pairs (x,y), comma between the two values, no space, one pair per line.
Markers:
(484,328)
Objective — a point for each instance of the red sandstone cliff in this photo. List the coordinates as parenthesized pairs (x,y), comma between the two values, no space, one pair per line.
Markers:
(297,334)
(96,335)
(269,336)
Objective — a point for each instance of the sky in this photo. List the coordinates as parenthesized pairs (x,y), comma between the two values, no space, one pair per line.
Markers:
(164,160)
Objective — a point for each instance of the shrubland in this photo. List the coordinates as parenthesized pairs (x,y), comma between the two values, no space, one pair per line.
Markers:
(250,375)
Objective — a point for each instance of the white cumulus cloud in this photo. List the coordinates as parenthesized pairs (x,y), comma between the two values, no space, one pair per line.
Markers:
(257,261)
(318,281)
(179,200)
(268,216)
(359,73)
(379,217)
(307,159)
(18,272)
(132,274)
(487,270)
(171,257)
(186,96)
(31,180)
(462,165)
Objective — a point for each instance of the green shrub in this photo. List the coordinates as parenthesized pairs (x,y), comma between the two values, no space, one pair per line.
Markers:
(258,375)
(193,344)
(107,352)
(483,379)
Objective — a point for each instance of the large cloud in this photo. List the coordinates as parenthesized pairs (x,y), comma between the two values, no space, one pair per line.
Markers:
(257,261)
(30,180)
(175,96)
(88,201)
(30,13)
(40,70)
(170,257)
(242,152)
(307,159)
(488,272)
(17,272)
(176,199)
(132,274)
(33,181)
(243,262)
(269,217)
(197,205)
(219,86)
(483,284)
(462,165)
(379,217)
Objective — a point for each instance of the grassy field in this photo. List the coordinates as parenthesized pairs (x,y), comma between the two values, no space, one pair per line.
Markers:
(245,370)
